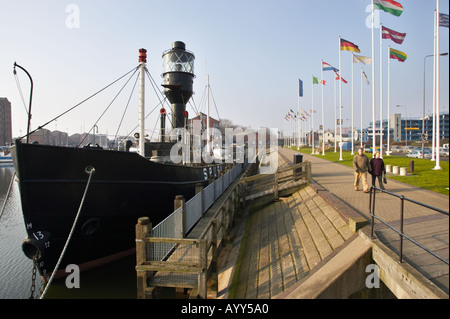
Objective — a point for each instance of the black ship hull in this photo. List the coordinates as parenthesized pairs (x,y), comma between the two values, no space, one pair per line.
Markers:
(124,187)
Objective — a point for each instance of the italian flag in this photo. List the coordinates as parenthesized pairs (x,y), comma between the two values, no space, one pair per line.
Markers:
(398,55)
(389,6)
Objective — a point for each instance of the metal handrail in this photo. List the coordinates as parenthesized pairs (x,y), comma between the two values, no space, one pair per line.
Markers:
(402,198)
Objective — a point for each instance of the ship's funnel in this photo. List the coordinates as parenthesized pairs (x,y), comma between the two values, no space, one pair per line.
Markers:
(178,77)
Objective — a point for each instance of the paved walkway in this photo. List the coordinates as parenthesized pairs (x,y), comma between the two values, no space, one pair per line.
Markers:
(429,228)
(289,238)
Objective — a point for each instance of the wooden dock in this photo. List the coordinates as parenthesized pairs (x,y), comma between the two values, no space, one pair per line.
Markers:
(191,265)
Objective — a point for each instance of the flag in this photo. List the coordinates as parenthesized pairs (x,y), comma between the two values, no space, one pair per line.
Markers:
(443,20)
(291,111)
(338,77)
(395,36)
(328,67)
(365,76)
(300,87)
(389,6)
(318,81)
(349,46)
(398,55)
(361,59)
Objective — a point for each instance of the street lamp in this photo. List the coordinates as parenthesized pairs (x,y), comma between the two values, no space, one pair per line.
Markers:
(406,123)
(31,97)
(423,109)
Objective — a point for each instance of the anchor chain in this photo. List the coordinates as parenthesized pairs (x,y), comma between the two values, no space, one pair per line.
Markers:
(33,278)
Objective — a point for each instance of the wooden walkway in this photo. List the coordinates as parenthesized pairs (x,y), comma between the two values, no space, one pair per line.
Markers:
(285,241)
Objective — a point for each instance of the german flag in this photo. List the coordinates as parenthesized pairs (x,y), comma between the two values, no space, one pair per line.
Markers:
(349,46)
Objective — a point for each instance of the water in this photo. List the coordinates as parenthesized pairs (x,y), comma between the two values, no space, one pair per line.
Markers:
(116,280)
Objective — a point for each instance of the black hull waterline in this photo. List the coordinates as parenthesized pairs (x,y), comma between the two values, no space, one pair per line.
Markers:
(124,187)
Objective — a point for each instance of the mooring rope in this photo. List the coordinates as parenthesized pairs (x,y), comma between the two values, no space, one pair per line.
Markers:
(7,194)
(90,170)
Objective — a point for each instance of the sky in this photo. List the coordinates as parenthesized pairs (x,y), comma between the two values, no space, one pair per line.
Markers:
(254,52)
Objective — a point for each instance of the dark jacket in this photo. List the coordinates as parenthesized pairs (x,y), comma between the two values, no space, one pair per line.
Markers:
(377,166)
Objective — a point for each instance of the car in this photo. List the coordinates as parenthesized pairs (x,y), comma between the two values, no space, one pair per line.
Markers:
(443,151)
(418,154)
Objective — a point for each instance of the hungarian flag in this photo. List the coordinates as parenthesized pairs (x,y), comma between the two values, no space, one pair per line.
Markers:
(349,46)
(395,36)
(318,81)
(389,6)
(328,67)
(397,55)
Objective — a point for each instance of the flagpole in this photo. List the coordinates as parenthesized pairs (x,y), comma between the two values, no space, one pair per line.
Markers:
(298,112)
(340,103)
(361,135)
(433,147)
(438,133)
(323,126)
(388,152)
(373,85)
(381,92)
(335,125)
(312,120)
(352,101)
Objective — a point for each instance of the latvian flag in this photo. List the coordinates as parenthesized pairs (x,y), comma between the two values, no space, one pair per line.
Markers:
(395,36)
(389,6)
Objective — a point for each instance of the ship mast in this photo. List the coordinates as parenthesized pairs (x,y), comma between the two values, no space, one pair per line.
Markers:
(142,61)
(208,148)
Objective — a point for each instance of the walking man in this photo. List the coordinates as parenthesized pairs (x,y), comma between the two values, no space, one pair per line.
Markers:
(361,166)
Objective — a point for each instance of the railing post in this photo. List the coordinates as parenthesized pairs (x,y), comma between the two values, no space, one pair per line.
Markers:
(214,270)
(143,230)
(202,278)
(402,200)
(275,185)
(199,189)
(180,218)
(372,211)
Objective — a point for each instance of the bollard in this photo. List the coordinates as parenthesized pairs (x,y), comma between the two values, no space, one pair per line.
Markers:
(298,158)
(402,171)
(395,170)
(388,168)
(411,166)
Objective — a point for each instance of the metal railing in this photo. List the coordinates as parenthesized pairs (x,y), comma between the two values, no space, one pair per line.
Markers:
(194,209)
(401,233)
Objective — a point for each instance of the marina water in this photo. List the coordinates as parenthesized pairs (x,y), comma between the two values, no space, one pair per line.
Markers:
(117,280)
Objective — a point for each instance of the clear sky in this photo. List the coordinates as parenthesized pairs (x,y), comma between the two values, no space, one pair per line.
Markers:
(253,50)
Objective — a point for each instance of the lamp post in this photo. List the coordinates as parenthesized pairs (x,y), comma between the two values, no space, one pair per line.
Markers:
(31,97)
(423,106)
(406,123)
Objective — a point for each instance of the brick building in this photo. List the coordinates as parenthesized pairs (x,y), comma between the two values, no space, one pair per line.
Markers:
(5,122)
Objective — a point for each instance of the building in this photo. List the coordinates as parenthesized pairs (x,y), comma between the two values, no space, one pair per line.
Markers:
(408,129)
(5,122)
(203,118)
